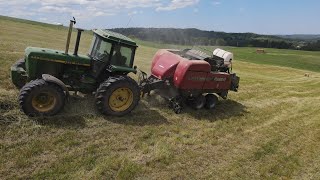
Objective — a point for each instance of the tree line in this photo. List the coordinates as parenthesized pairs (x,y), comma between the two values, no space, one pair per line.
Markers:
(312,46)
(207,38)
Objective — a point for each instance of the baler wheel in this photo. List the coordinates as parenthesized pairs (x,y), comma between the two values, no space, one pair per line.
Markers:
(177,109)
(175,104)
(198,102)
(40,98)
(211,101)
(117,96)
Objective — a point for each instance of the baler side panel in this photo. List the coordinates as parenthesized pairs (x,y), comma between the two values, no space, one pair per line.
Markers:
(193,80)
(218,81)
(191,74)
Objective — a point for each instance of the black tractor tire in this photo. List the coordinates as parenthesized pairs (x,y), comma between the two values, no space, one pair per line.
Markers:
(117,96)
(19,84)
(41,98)
(21,63)
(197,102)
(211,101)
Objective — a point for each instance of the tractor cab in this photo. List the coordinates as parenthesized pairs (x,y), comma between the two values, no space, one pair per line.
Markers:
(112,51)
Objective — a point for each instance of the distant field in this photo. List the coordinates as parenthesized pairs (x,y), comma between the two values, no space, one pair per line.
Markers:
(270,129)
(304,60)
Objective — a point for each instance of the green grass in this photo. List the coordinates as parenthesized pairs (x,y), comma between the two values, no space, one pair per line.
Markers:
(289,58)
(268,130)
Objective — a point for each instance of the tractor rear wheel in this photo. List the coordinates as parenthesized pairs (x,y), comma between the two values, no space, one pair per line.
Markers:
(40,98)
(117,96)
(211,101)
(197,102)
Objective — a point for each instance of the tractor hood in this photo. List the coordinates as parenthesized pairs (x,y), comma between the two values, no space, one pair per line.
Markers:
(43,54)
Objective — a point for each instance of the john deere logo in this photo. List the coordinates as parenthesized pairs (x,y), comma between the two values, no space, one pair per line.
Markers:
(58,61)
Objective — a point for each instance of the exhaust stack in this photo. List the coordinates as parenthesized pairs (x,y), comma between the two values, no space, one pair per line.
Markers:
(72,22)
(76,48)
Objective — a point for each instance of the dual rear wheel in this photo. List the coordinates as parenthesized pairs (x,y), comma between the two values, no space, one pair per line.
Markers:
(209,101)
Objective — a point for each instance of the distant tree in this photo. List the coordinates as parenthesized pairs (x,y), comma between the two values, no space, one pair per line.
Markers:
(312,46)
(221,42)
(212,42)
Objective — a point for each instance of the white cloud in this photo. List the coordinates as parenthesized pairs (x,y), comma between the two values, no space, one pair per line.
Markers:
(86,11)
(216,3)
(54,9)
(104,7)
(114,4)
(83,9)
(242,10)
(134,13)
(177,4)
(196,10)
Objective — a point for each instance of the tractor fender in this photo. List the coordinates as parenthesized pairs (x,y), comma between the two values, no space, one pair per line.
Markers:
(52,79)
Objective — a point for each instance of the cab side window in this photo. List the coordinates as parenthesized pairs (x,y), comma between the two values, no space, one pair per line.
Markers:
(100,49)
(104,51)
(105,48)
(121,56)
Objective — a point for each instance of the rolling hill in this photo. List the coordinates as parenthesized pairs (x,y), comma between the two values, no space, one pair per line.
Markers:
(200,37)
(270,129)
(304,37)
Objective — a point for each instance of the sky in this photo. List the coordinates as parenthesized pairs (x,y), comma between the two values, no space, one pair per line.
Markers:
(257,16)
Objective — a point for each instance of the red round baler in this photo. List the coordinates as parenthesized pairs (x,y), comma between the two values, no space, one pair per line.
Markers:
(189,76)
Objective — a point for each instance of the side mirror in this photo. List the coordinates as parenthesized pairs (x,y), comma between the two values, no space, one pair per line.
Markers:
(135,67)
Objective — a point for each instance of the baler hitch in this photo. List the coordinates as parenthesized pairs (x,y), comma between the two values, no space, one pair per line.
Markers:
(147,84)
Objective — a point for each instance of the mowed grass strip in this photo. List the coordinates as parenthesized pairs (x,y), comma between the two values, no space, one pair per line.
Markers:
(270,129)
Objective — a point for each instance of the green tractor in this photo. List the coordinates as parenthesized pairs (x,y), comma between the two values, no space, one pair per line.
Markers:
(45,76)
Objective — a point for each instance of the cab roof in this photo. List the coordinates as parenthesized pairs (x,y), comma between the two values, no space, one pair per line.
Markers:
(116,37)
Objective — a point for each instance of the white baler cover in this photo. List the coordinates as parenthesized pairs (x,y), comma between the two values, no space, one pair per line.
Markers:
(227,56)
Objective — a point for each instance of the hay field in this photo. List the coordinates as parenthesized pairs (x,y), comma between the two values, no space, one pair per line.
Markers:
(270,129)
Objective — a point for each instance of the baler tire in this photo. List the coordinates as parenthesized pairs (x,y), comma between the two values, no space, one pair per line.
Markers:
(113,85)
(211,101)
(33,95)
(198,102)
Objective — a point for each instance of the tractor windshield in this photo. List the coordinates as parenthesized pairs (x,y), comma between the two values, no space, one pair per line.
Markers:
(100,50)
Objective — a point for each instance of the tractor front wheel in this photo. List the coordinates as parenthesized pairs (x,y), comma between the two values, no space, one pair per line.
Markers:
(117,96)
(40,98)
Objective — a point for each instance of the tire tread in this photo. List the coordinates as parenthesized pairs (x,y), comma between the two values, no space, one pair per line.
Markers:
(102,93)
